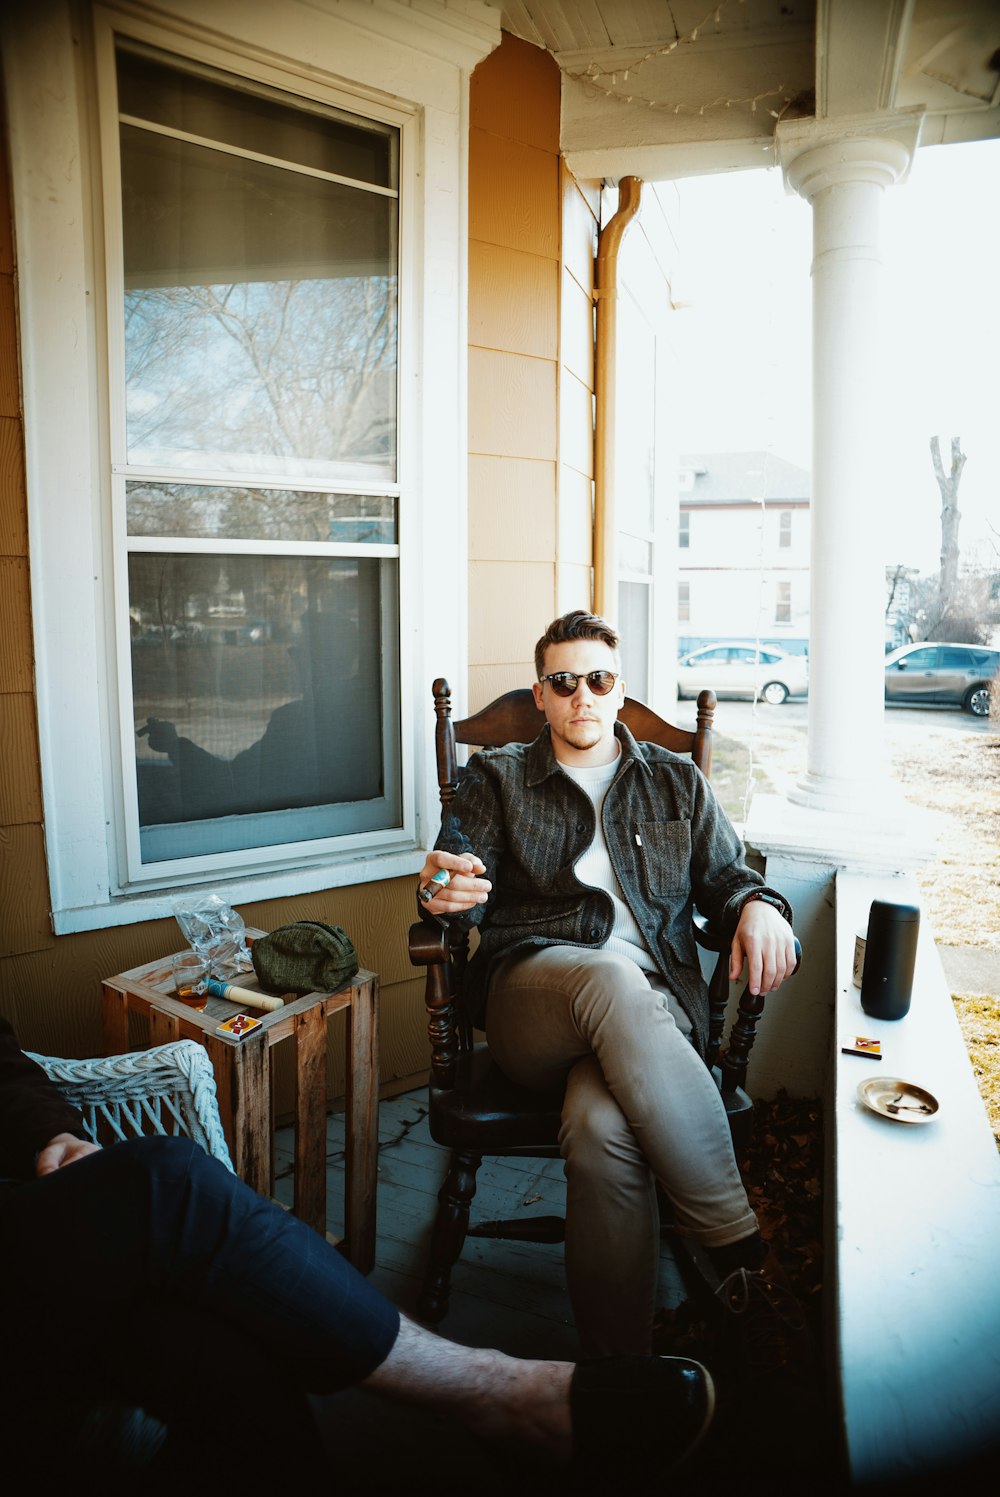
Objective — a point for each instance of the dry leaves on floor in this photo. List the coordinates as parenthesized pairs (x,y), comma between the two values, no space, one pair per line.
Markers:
(783,1171)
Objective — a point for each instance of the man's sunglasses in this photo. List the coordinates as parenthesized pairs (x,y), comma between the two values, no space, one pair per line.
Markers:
(564,683)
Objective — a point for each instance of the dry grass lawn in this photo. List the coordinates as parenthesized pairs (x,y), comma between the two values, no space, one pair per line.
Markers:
(953,773)
(980,1021)
(958,774)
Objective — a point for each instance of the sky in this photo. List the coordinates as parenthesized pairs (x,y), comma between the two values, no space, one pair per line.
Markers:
(744,337)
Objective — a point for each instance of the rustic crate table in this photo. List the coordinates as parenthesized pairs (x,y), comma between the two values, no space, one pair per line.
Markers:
(243,1078)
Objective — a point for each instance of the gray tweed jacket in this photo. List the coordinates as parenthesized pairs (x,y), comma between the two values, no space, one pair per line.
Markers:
(671,845)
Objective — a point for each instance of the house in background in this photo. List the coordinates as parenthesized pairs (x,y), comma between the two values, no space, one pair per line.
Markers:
(743,550)
(898,611)
(336,356)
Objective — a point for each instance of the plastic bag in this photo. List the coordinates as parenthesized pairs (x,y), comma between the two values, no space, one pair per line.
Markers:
(214,929)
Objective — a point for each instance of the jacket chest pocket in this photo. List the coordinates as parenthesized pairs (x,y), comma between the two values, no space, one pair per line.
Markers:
(665,858)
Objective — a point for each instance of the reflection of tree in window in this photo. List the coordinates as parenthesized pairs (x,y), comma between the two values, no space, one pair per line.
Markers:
(302,369)
(260,275)
(252,513)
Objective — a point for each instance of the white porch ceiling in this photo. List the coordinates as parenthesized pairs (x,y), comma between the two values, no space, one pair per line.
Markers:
(669,88)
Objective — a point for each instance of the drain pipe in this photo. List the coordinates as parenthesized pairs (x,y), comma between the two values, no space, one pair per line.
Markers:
(605,389)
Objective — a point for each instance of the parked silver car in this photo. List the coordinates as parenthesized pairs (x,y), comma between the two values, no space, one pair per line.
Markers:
(955,675)
(740,670)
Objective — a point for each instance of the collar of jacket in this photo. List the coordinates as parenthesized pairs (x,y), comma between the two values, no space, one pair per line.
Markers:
(541,762)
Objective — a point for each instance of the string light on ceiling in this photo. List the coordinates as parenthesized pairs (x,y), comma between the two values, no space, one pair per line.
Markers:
(593,73)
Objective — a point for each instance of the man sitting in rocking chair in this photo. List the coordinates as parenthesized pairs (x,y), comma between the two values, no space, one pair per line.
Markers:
(579,858)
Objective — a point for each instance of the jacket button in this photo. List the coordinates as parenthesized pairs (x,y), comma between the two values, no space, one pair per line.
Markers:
(595,933)
(579,826)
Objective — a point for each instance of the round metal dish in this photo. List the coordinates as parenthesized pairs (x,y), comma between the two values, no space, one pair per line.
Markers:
(899,1101)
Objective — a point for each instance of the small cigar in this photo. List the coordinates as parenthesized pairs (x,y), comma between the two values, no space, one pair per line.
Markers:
(243,995)
(440,881)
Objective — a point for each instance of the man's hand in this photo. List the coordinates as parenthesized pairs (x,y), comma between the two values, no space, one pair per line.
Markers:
(764,939)
(464,890)
(162,735)
(62,1150)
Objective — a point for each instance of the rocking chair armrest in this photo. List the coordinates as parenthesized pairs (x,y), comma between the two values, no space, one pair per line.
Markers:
(428,944)
(707,936)
(429,948)
(710,938)
(733,1063)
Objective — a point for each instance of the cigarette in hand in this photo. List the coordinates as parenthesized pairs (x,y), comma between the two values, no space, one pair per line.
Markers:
(440,881)
(243,996)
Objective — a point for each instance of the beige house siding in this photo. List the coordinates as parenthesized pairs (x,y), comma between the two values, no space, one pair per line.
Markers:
(24,928)
(532,235)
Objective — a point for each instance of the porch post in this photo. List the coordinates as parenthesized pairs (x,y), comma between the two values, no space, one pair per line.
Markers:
(841,168)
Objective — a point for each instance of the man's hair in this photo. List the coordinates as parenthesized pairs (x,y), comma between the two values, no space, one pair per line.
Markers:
(577,624)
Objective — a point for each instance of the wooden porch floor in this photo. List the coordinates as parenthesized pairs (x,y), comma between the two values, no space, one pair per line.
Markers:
(507,1295)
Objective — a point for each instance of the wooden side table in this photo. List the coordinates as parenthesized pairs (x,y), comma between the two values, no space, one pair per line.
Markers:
(243,1078)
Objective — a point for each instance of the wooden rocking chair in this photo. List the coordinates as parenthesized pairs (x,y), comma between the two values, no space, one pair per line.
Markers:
(474,1109)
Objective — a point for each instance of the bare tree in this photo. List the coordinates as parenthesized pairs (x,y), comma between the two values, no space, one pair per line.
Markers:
(950,517)
(970,619)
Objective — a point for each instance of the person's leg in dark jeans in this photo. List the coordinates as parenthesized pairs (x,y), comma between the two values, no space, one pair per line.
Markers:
(158,1217)
(149,1272)
(149,1275)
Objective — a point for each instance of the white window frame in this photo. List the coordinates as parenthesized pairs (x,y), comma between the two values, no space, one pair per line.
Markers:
(782,602)
(63,320)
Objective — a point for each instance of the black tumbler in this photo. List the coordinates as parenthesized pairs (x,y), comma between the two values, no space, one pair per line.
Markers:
(890,955)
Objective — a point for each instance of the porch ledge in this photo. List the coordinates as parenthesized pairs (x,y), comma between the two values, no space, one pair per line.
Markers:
(915,1222)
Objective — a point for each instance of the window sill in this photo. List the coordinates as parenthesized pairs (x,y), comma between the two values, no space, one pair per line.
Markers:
(285,883)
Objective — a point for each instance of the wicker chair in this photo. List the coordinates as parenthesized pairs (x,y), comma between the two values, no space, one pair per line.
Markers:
(169,1089)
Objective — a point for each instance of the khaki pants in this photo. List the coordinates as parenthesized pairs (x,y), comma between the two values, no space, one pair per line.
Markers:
(640,1106)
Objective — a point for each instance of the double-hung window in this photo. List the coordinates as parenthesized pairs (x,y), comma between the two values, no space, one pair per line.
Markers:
(253,358)
(783,603)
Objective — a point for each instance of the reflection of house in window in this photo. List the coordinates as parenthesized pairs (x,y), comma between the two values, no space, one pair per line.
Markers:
(683,602)
(684,532)
(785,528)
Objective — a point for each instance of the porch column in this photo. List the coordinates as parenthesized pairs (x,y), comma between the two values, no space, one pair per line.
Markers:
(841,168)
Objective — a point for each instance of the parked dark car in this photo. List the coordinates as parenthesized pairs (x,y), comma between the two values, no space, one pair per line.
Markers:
(954,675)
